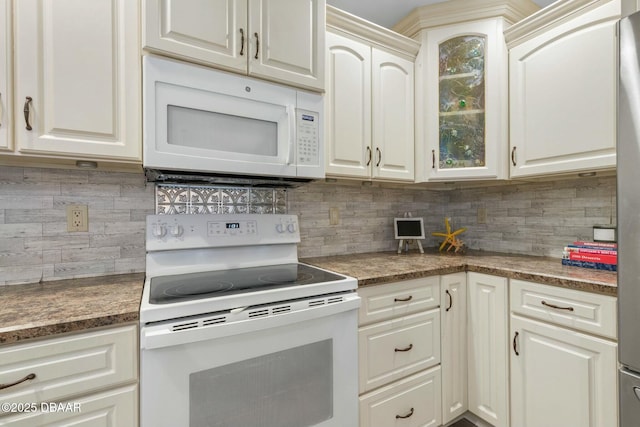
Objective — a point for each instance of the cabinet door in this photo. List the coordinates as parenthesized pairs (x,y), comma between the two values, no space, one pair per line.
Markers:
(393,110)
(287,41)
(563,96)
(465,105)
(561,377)
(348,107)
(211,32)
(77,69)
(454,345)
(488,346)
(6,140)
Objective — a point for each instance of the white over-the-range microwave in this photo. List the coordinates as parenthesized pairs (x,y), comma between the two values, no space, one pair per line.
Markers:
(202,123)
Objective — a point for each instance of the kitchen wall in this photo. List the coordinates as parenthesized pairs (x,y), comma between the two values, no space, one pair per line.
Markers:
(528,218)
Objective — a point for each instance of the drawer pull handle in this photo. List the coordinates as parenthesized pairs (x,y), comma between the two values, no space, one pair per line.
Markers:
(405,416)
(450,300)
(409,298)
(27,378)
(556,306)
(26,112)
(257,44)
(404,349)
(515,344)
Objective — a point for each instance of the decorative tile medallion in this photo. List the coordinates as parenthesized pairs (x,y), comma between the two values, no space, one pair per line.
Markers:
(174,199)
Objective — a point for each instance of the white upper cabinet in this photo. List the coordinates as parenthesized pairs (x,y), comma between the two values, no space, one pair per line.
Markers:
(278,40)
(369,100)
(348,107)
(393,116)
(6,140)
(562,78)
(462,87)
(77,79)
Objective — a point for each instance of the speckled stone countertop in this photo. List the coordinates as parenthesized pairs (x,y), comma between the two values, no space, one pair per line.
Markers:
(377,268)
(40,310)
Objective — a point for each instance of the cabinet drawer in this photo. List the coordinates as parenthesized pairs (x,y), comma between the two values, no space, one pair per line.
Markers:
(69,365)
(390,300)
(417,397)
(113,408)
(579,310)
(395,348)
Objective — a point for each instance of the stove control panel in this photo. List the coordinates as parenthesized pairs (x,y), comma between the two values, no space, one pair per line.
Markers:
(167,232)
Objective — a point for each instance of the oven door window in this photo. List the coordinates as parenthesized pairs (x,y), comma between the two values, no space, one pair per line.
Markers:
(289,388)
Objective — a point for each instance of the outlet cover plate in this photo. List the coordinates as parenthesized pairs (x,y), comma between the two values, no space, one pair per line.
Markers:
(77,218)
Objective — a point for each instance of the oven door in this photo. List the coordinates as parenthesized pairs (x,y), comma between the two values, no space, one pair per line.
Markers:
(198,119)
(280,369)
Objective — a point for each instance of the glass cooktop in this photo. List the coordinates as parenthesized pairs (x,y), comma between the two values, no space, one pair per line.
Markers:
(210,284)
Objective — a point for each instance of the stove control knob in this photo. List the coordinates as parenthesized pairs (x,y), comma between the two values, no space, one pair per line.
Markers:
(177,230)
(159,230)
(291,228)
(280,228)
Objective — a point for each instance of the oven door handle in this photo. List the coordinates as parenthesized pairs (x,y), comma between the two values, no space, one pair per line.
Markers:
(156,336)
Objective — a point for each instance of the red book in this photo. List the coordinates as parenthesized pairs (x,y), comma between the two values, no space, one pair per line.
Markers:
(602,259)
(588,250)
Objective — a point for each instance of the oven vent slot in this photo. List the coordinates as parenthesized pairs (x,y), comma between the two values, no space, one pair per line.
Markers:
(214,321)
(316,303)
(334,299)
(258,313)
(282,309)
(183,326)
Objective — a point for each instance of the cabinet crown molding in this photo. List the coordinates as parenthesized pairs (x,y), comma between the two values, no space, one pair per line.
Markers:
(345,22)
(549,17)
(459,11)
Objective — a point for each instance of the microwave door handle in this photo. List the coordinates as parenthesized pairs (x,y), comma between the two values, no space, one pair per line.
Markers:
(291,113)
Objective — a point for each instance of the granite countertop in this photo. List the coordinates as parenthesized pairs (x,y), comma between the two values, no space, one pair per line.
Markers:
(44,309)
(48,308)
(384,267)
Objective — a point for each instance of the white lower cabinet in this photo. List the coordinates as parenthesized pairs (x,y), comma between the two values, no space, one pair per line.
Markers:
(412,402)
(85,379)
(561,377)
(399,354)
(488,352)
(453,336)
(561,373)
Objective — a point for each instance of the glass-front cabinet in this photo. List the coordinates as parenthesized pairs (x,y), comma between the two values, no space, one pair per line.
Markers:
(465,103)
(462,87)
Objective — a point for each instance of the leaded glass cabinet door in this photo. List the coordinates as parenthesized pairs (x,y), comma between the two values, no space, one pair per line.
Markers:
(465,102)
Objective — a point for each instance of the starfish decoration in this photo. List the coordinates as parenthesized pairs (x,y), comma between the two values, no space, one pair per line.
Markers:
(450,237)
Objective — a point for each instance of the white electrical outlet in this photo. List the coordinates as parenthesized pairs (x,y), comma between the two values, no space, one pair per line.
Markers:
(77,218)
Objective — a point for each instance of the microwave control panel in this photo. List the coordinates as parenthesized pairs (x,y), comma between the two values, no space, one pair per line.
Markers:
(307,135)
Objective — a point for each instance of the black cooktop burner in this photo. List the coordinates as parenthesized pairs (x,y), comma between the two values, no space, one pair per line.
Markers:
(209,284)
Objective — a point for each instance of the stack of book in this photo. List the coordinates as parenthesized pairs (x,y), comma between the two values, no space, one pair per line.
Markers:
(602,256)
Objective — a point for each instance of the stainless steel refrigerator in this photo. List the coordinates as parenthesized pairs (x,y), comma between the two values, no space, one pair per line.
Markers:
(628,154)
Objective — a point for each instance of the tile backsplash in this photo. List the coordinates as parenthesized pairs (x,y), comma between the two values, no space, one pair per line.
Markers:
(528,218)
